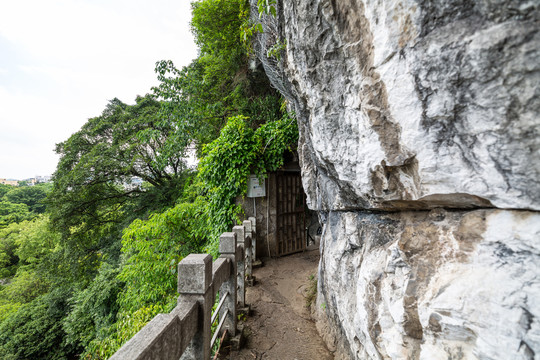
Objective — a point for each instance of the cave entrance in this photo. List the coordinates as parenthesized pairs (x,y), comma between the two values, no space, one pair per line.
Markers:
(290,213)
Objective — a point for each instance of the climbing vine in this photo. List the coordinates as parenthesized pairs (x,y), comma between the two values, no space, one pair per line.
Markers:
(267,7)
(230,159)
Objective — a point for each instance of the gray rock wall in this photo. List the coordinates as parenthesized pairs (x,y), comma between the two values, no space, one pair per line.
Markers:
(419,144)
(431,285)
(415,104)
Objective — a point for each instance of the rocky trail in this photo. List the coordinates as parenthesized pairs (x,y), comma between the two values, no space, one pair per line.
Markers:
(280,325)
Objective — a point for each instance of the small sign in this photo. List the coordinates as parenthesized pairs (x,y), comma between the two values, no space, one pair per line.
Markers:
(256,188)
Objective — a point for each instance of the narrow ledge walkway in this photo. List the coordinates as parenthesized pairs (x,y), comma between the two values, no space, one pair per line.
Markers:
(280,326)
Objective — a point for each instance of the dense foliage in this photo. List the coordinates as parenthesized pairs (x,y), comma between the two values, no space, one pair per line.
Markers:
(34,331)
(87,262)
(231,158)
(94,195)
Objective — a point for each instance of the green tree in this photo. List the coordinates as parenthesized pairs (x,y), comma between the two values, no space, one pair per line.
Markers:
(23,247)
(32,196)
(219,84)
(35,240)
(151,251)
(8,247)
(8,308)
(215,25)
(35,331)
(11,213)
(4,189)
(94,309)
(93,196)
(25,286)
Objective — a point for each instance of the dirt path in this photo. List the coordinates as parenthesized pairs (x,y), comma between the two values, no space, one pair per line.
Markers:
(280,326)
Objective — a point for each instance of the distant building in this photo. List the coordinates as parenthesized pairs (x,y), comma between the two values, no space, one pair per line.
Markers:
(30,182)
(43,179)
(9,182)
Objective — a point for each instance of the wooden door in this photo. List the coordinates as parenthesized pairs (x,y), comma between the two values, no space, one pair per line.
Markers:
(290,213)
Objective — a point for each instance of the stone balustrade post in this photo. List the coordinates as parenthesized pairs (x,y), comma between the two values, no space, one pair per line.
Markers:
(240,231)
(167,335)
(254,238)
(227,249)
(248,243)
(195,283)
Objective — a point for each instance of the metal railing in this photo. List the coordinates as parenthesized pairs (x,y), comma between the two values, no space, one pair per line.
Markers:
(185,333)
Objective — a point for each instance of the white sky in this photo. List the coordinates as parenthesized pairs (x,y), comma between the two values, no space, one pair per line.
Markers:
(62,60)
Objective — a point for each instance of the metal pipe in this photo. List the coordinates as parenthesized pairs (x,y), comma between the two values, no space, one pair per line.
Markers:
(268,217)
(220,325)
(216,312)
(255,216)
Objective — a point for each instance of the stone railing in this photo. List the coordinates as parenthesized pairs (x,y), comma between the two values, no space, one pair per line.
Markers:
(185,333)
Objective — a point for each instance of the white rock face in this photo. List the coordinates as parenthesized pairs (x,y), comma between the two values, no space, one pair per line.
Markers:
(415,104)
(431,285)
(432,106)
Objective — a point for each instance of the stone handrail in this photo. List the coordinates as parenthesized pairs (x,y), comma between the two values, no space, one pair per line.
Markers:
(185,333)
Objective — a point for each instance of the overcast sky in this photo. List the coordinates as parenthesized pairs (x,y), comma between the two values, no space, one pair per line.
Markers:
(62,60)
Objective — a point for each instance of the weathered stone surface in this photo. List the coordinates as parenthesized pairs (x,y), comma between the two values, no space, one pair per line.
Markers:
(420,105)
(416,104)
(166,336)
(240,232)
(221,271)
(227,243)
(195,274)
(431,284)
(160,339)
(247,226)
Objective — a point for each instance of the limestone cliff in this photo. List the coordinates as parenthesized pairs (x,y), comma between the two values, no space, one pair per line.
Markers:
(420,148)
